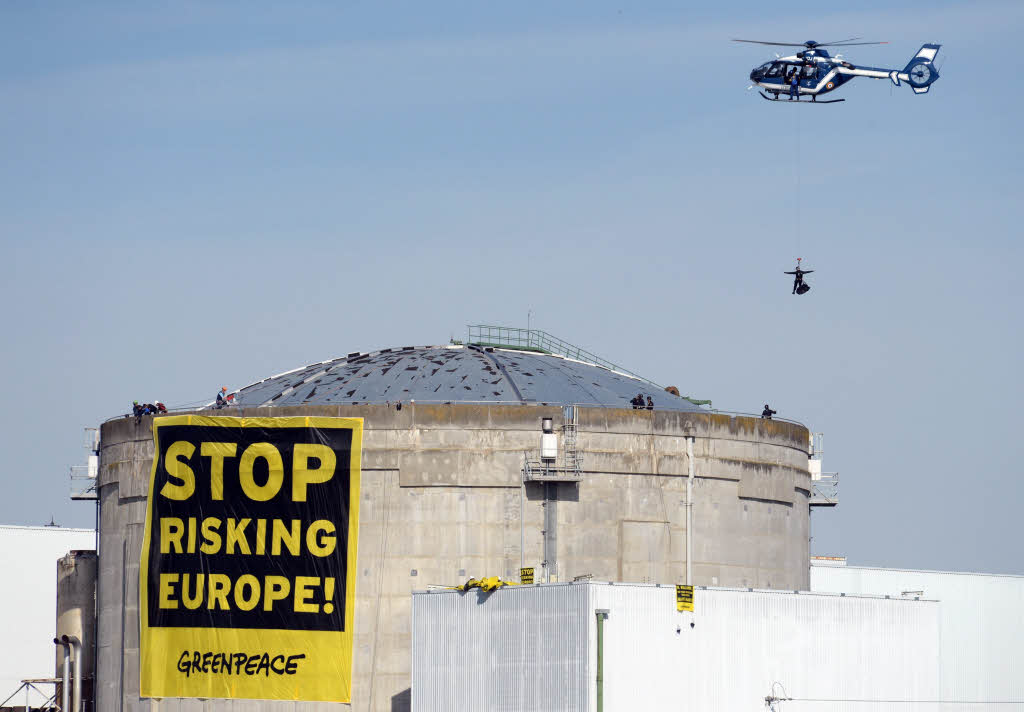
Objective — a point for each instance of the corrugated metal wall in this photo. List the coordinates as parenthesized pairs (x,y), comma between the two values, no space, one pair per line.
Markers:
(982,627)
(534,648)
(519,648)
(743,642)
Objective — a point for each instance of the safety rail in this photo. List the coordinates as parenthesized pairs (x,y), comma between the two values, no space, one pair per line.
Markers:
(538,471)
(825,490)
(83,482)
(236,409)
(543,342)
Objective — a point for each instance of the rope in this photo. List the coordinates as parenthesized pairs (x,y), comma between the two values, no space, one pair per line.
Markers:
(799,186)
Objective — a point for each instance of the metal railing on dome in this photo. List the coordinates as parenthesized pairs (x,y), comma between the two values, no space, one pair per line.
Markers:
(542,342)
(510,337)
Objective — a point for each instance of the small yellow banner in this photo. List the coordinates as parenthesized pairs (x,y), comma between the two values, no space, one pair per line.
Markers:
(684,598)
(526,575)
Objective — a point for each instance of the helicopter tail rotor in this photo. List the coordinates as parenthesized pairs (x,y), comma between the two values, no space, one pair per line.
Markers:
(921,71)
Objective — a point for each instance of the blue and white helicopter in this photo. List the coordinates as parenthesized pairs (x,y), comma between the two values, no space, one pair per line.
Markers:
(812,72)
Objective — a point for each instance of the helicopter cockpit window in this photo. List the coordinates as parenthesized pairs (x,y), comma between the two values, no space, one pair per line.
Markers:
(776,69)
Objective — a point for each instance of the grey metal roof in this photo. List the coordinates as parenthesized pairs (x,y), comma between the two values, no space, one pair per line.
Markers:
(455,374)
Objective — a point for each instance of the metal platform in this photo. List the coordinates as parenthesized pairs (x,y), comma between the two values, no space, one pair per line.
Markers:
(825,490)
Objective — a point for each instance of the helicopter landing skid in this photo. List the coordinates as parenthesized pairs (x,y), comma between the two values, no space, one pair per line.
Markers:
(801,101)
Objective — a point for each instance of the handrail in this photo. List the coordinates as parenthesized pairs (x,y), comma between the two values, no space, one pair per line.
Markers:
(537,340)
(238,407)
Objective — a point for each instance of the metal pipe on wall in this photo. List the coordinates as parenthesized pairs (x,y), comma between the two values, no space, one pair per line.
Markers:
(689,511)
(65,674)
(76,646)
(602,614)
(522,535)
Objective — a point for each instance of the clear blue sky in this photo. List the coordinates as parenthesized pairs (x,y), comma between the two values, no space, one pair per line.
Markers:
(195,195)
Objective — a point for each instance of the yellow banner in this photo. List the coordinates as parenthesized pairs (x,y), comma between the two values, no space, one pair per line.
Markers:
(247,585)
(684,598)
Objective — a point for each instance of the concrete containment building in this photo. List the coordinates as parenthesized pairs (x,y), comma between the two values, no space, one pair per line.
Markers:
(455,485)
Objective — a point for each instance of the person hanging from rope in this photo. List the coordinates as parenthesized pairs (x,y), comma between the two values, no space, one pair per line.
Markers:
(798,278)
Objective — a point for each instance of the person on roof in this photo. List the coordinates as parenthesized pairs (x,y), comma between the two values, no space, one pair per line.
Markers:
(650,403)
(798,278)
(221,400)
(767,413)
(137,412)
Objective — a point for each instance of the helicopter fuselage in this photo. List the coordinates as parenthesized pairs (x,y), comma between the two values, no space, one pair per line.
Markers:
(818,74)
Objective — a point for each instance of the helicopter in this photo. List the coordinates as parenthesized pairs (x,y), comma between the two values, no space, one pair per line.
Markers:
(819,73)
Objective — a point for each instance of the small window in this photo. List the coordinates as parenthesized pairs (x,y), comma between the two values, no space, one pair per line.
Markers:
(810,72)
(776,70)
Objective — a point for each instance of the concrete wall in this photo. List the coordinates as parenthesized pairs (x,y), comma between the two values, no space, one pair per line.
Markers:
(76,615)
(441,499)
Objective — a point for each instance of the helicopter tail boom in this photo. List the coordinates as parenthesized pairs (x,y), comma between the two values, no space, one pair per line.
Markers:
(920,73)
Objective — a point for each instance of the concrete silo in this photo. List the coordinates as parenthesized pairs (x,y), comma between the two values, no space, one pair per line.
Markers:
(454,486)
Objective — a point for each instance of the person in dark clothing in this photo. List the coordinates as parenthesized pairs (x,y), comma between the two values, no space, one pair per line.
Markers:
(221,402)
(798,278)
(650,403)
(638,401)
(137,412)
(794,84)
(767,413)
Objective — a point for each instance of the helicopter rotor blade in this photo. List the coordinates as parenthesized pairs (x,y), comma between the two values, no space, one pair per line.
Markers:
(776,44)
(835,42)
(850,44)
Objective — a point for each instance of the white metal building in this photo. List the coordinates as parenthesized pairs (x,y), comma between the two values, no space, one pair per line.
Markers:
(28,609)
(982,626)
(535,648)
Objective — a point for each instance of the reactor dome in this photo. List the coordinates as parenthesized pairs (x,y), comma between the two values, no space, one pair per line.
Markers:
(456,374)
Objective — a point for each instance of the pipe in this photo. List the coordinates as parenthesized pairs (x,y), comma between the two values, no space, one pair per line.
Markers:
(689,511)
(76,648)
(65,674)
(522,536)
(601,614)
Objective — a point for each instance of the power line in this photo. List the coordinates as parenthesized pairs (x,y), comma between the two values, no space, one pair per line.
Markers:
(896,702)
